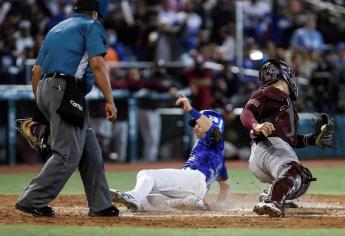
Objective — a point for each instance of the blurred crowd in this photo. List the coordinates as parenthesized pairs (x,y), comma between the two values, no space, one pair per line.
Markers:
(201,36)
(304,33)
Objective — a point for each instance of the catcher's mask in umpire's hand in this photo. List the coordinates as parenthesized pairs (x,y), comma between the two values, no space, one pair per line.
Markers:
(100,6)
(213,116)
(274,70)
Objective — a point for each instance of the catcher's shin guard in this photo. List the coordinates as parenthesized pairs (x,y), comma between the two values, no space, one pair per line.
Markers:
(293,184)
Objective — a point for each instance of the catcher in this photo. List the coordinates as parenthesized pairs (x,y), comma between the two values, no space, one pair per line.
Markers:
(272,120)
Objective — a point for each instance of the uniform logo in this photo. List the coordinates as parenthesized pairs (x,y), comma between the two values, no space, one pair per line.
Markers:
(213,119)
(254,102)
(192,157)
(76,105)
(283,108)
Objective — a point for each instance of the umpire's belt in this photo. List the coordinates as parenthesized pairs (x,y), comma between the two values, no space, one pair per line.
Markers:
(59,75)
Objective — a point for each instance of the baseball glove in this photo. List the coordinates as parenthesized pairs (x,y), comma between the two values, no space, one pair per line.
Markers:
(35,133)
(323,131)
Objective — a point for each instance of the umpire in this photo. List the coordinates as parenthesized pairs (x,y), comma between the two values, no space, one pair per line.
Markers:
(61,79)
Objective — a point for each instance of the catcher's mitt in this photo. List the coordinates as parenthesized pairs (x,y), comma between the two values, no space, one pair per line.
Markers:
(35,133)
(323,131)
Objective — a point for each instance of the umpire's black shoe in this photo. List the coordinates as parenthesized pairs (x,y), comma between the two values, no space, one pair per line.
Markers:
(111,211)
(39,212)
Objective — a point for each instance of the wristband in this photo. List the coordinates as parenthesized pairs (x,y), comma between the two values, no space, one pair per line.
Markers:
(195,114)
(309,139)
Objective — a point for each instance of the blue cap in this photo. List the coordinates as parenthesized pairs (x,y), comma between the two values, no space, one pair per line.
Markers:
(101,6)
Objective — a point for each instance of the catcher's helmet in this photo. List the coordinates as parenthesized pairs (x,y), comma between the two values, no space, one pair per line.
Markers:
(274,70)
(92,5)
(213,116)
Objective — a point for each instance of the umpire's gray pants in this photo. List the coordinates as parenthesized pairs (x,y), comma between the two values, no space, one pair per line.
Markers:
(72,147)
(268,159)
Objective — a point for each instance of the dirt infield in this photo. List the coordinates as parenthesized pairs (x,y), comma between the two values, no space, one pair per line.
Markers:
(315,211)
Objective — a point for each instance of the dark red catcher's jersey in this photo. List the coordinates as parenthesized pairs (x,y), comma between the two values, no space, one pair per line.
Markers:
(269,104)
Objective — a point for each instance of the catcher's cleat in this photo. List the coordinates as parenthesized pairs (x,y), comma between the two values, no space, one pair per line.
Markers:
(125,199)
(269,208)
(108,212)
(264,197)
(38,212)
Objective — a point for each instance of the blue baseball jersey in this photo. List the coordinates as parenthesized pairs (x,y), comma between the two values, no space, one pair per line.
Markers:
(208,158)
(68,47)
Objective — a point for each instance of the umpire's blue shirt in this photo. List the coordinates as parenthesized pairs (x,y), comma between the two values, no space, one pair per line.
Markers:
(208,159)
(68,47)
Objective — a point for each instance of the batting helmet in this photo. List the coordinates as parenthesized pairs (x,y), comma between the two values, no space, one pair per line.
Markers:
(100,6)
(274,70)
(213,116)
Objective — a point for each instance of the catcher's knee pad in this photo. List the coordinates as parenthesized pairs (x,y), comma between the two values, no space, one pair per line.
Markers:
(293,184)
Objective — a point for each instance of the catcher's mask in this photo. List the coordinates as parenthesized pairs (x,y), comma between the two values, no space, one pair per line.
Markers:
(213,116)
(100,6)
(274,70)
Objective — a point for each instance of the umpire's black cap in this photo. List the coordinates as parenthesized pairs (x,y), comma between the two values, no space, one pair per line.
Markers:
(91,5)
(85,5)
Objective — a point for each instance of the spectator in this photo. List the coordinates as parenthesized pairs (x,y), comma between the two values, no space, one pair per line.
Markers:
(168,45)
(308,38)
(228,45)
(148,35)
(200,82)
(222,14)
(148,118)
(255,18)
(280,21)
(23,37)
(8,64)
(235,137)
(226,85)
(340,63)
(325,84)
(168,29)
(193,24)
